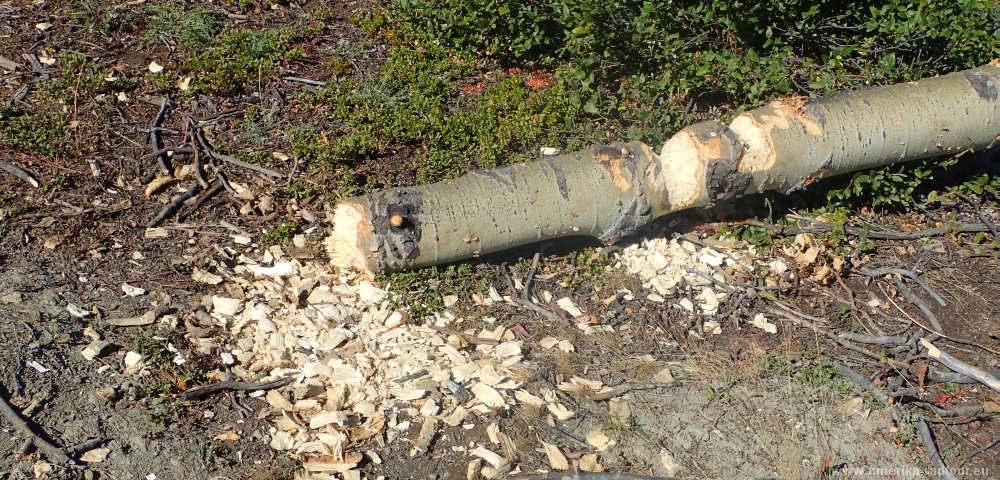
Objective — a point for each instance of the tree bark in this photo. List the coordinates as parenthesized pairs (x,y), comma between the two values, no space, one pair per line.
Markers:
(610,191)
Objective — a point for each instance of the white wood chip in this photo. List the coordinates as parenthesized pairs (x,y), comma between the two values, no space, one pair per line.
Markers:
(202,276)
(91,351)
(560,411)
(569,307)
(96,455)
(488,395)
(77,311)
(132,359)
(225,305)
(132,291)
(556,458)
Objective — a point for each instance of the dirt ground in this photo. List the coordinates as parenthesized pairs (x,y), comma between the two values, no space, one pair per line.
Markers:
(746,404)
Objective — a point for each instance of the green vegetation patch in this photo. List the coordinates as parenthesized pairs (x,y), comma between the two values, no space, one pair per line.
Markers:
(33,133)
(432,105)
(241,58)
(423,291)
(191,29)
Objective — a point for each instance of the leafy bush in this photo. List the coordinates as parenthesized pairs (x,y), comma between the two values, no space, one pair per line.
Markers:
(633,64)
(639,69)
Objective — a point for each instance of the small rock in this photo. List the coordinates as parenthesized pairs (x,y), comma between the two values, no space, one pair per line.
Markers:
(13,298)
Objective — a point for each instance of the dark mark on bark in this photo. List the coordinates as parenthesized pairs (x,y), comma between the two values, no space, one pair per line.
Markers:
(982,84)
(396,245)
(502,176)
(560,178)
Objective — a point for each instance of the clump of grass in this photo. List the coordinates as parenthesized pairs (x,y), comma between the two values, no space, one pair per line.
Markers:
(280,235)
(80,75)
(240,58)
(423,291)
(33,133)
(192,30)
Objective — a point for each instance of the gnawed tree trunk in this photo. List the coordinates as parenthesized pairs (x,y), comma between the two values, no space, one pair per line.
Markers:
(610,191)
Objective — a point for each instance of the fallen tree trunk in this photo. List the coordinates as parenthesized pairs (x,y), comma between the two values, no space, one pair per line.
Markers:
(610,191)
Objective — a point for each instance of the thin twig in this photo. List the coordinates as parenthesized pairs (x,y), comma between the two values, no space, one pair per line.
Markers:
(708,277)
(154,136)
(58,214)
(979,213)
(562,434)
(977,452)
(249,166)
(874,272)
(872,340)
(165,150)
(903,289)
(531,276)
(469,338)
(201,201)
(197,393)
(628,387)
(54,453)
(306,81)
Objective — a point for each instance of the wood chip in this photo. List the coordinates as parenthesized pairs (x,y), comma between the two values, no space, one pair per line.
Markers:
(556,458)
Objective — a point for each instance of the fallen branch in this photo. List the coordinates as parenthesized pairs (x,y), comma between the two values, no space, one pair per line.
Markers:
(903,273)
(19,173)
(51,451)
(932,451)
(173,205)
(201,392)
(903,289)
(960,367)
(979,214)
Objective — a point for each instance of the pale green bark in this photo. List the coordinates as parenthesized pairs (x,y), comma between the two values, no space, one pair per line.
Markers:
(608,192)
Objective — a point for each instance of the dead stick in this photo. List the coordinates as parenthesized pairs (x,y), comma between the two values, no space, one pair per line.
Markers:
(903,273)
(57,214)
(932,450)
(530,277)
(250,166)
(54,453)
(559,433)
(979,213)
(202,201)
(197,393)
(173,205)
(903,289)
(19,173)
(154,136)
(959,366)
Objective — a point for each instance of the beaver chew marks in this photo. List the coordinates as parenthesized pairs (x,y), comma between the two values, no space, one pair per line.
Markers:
(396,224)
